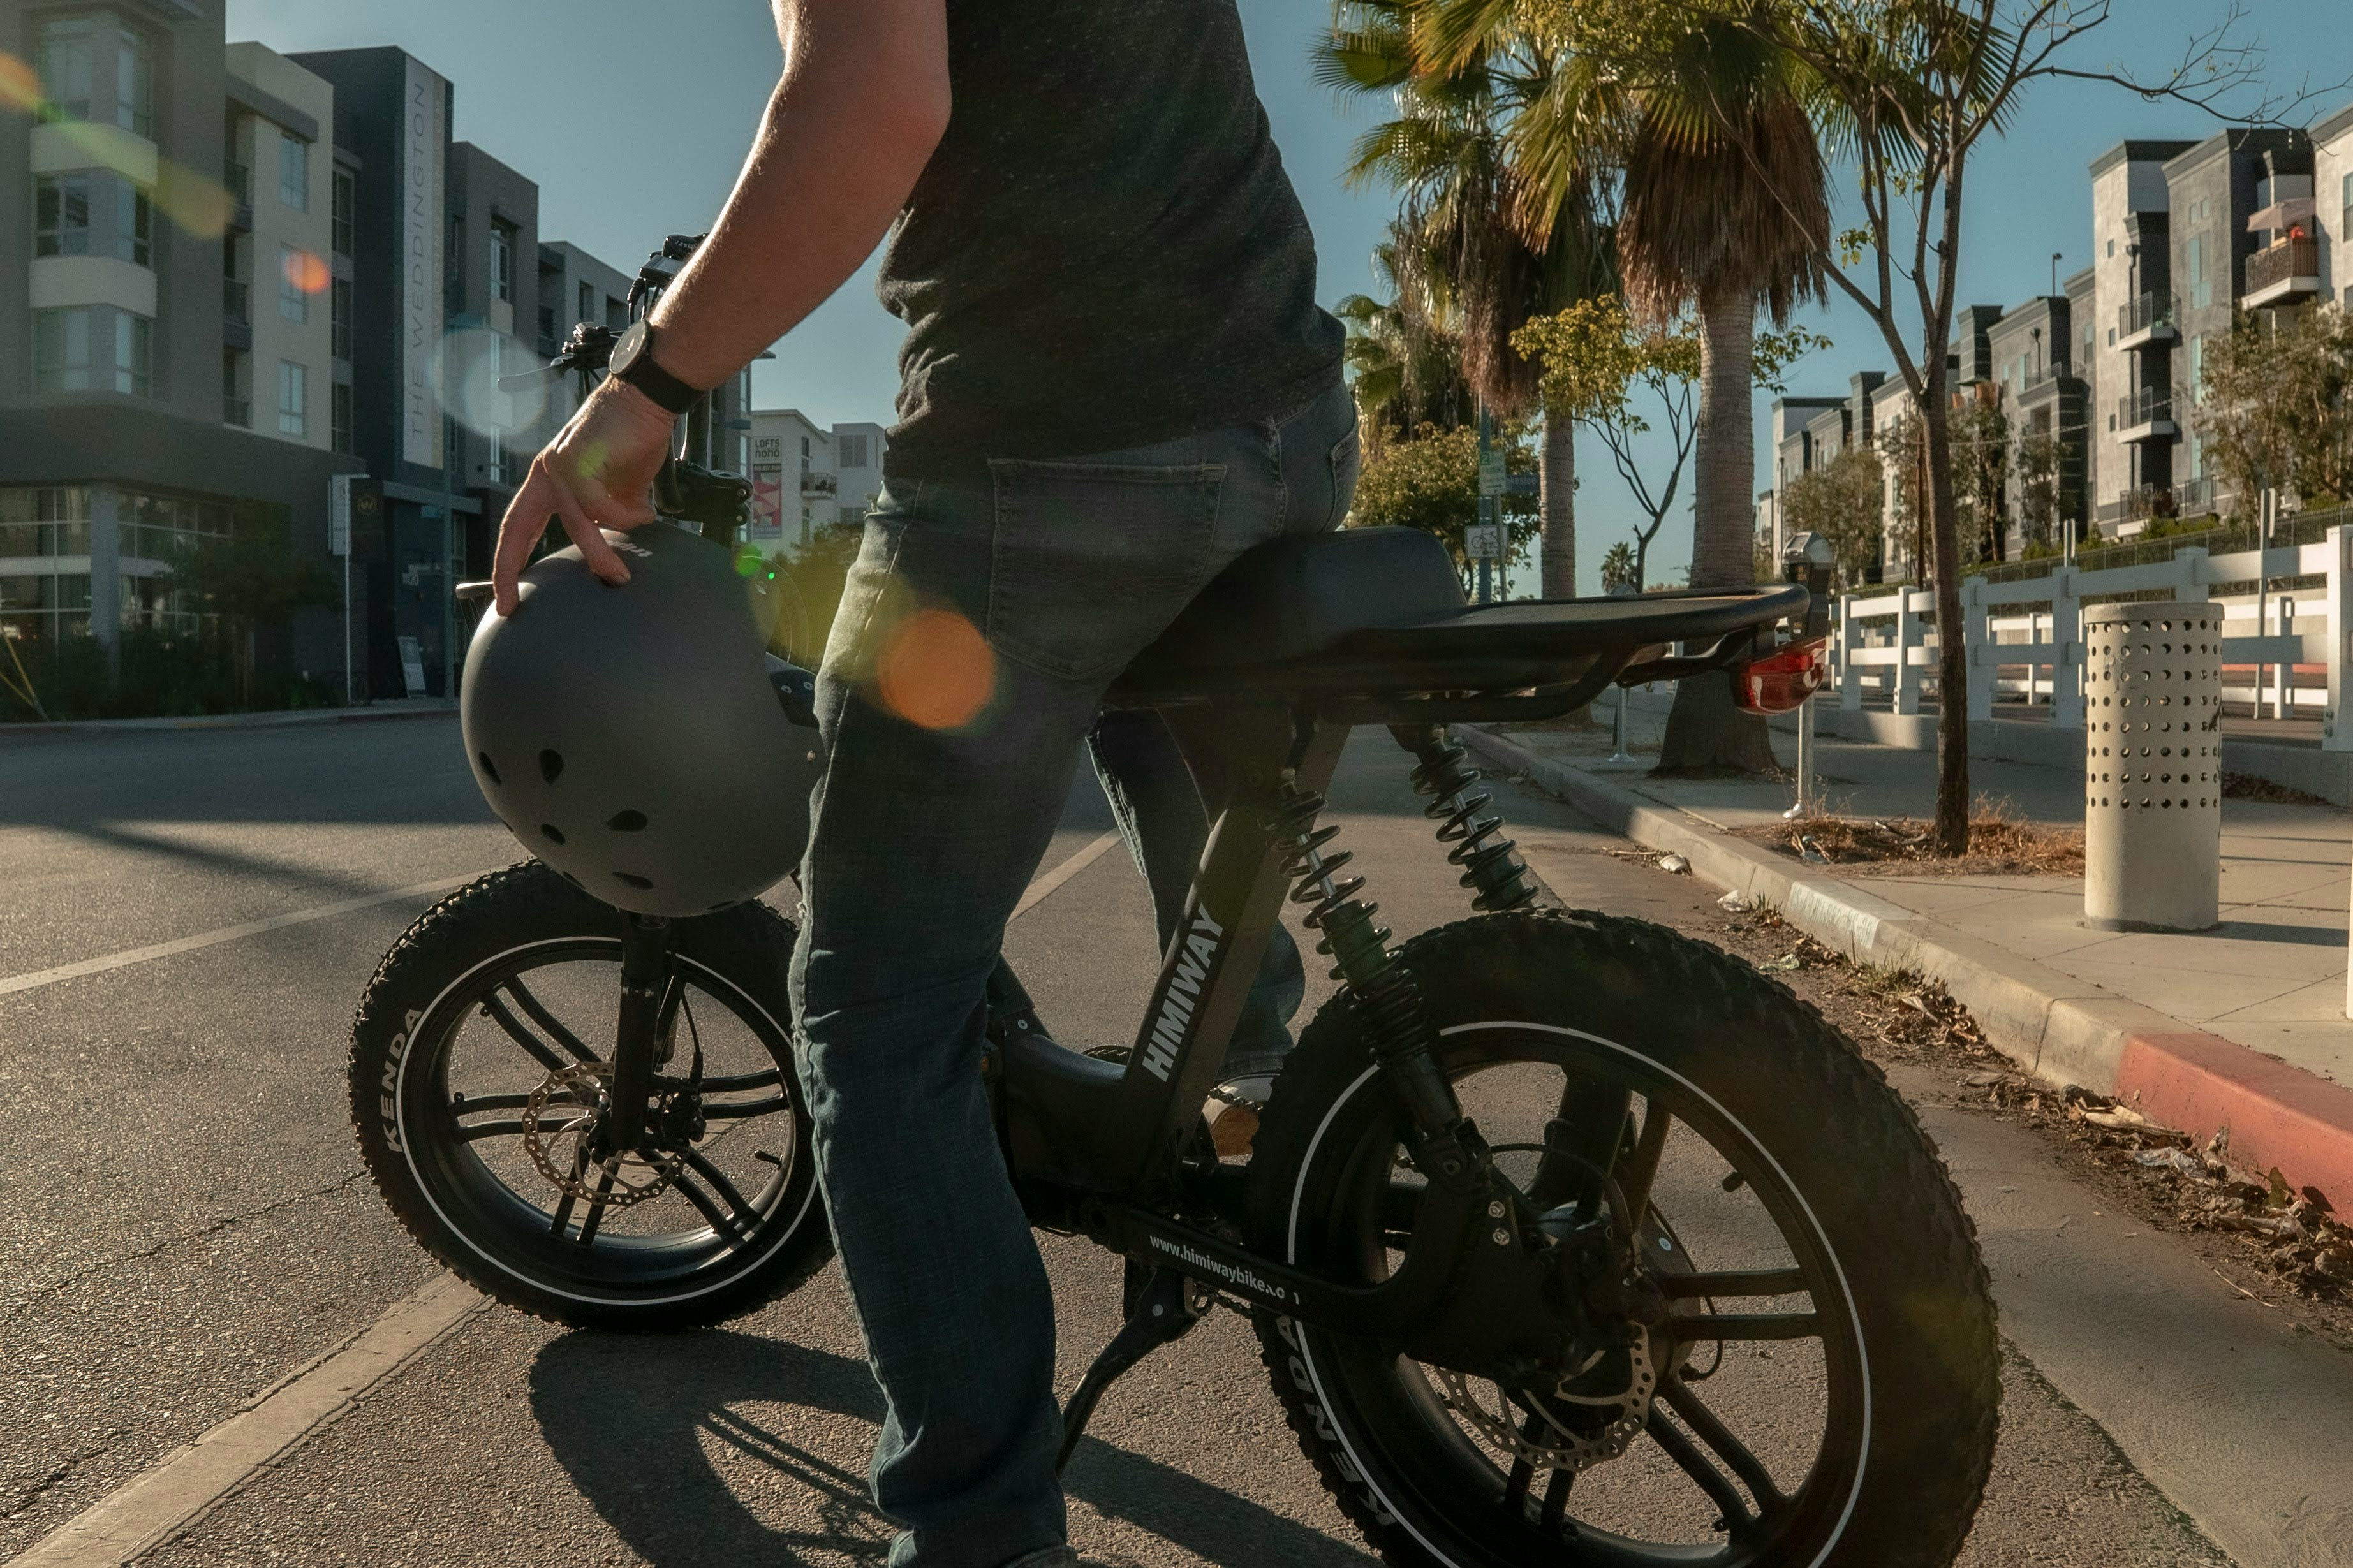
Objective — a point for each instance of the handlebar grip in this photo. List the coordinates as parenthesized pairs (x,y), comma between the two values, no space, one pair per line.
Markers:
(474,593)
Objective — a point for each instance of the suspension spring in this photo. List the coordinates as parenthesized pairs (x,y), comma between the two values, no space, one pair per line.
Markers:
(1389,1000)
(1491,867)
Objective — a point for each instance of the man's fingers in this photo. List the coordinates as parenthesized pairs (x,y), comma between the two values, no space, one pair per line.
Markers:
(520,530)
(598,554)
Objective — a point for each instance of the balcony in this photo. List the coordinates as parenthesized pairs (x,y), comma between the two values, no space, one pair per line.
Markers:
(2146,320)
(816,484)
(2286,273)
(237,299)
(2147,415)
(2143,502)
(2042,376)
(237,411)
(239,180)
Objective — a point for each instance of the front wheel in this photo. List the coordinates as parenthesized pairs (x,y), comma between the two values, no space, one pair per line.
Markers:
(479,1072)
(1825,1391)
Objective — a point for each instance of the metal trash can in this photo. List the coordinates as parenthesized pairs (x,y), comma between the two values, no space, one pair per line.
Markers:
(2153,767)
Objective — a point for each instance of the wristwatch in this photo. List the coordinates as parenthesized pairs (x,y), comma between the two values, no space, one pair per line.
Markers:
(633,361)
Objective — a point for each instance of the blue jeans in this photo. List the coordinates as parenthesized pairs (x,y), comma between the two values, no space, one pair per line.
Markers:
(979,631)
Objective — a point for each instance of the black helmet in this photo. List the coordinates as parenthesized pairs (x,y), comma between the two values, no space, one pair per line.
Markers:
(631,737)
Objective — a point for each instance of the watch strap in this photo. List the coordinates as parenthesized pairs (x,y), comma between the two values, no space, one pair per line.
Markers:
(666,390)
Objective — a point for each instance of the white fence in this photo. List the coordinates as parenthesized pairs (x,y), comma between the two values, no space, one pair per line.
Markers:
(2025,638)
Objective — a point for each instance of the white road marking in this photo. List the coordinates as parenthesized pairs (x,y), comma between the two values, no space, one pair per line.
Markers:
(1062,873)
(40,977)
(141,1514)
(144,1513)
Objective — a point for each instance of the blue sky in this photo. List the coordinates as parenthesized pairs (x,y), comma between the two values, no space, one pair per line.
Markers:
(633,116)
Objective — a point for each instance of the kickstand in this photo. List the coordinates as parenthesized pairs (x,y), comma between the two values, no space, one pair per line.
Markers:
(1164,1309)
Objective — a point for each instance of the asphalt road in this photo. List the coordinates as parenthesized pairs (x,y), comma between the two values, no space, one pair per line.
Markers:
(186,1222)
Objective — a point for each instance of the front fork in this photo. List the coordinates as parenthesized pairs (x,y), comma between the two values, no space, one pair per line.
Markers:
(645,951)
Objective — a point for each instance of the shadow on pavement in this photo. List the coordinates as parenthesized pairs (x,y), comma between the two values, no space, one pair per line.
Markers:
(633,1421)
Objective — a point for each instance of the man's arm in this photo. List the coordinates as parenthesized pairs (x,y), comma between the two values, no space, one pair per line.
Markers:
(862,102)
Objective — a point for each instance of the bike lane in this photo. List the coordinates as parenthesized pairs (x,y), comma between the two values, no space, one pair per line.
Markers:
(512,1441)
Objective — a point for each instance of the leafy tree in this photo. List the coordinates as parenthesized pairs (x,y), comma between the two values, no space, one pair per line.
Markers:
(2041,461)
(2275,411)
(251,579)
(1845,501)
(1432,483)
(1601,367)
(1981,442)
(1405,366)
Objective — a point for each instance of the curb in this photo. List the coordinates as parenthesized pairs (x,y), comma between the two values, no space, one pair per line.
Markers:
(282,720)
(2059,1028)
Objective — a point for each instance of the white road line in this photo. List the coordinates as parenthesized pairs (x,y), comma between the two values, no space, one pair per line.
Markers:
(1062,873)
(40,977)
(142,1513)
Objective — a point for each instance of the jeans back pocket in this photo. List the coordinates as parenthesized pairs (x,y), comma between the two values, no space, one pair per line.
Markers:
(1090,561)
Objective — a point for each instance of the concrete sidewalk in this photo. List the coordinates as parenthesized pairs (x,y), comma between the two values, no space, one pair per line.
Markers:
(278,719)
(2243,1026)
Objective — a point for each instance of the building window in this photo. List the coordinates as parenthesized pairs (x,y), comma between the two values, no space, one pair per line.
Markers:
(61,350)
(62,59)
(503,244)
(588,303)
(853,452)
(617,314)
(2112,248)
(339,417)
(294,171)
(292,267)
(62,214)
(2198,368)
(293,390)
(338,316)
(343,202)
(134,224)
(236,404)
(134,350)
(134,83)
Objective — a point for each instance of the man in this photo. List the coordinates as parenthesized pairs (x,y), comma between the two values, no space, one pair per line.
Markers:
(1115,381)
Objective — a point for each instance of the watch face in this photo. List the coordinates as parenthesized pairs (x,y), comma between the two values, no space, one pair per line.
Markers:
(631,344)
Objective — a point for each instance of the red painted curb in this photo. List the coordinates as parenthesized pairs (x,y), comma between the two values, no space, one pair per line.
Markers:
(2277,1114)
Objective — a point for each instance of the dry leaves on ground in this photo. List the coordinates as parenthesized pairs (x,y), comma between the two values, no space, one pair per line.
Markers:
(2002,843)
(2248,786)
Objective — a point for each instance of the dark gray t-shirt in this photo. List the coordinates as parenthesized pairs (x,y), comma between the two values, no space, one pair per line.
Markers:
(1104,250)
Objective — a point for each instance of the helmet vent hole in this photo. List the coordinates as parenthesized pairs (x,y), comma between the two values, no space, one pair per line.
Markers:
(551,833)
(550,765)
(488,768)
(634,880)
(628,822)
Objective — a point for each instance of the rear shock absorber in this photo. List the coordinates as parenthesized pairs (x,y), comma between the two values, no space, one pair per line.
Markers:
(1491,867)
(1396,1025)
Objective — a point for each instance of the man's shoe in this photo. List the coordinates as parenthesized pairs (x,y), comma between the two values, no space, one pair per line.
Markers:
(1232,1112)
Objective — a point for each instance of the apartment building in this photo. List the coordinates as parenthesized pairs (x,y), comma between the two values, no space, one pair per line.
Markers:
(247,272)
(2033,347)
(148,400)
(807,477)
(2332,156)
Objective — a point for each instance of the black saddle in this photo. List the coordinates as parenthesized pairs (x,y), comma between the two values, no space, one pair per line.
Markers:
(1366,620)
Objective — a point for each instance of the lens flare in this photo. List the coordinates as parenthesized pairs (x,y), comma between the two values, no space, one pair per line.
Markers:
(307,272)
(467,368)
(20,88)
(936,671)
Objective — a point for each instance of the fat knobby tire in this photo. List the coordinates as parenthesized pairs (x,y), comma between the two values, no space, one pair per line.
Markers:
(749,944)
(1849,1143)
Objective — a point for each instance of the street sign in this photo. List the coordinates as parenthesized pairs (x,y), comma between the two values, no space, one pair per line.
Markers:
(1520,484)
(339,515)
(1492,478)
(412,666)
(1483,541)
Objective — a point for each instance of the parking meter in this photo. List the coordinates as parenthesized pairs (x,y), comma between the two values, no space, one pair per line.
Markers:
(1808,560)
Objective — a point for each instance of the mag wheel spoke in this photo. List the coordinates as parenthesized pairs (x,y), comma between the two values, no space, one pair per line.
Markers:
(1711,1328)
(1731,1283)
(1693,1412)
(538,1014)
(1718,1487)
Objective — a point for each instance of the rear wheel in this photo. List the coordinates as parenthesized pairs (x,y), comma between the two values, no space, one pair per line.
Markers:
(478,1077)
(1826,1387)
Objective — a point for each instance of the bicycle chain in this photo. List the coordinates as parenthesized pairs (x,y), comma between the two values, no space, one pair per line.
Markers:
(585,1083)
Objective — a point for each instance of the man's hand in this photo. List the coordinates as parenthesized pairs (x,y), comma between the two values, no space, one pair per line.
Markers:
(598,472)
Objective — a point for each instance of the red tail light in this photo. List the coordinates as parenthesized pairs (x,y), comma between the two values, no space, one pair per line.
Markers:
(1777,681)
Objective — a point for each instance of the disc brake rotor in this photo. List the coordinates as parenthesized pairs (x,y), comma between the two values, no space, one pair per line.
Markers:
(1538,1438)
(617,1181)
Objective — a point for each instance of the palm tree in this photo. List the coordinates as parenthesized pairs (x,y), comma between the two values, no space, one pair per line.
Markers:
(1724,210)
(1465,207)
(1405,366)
